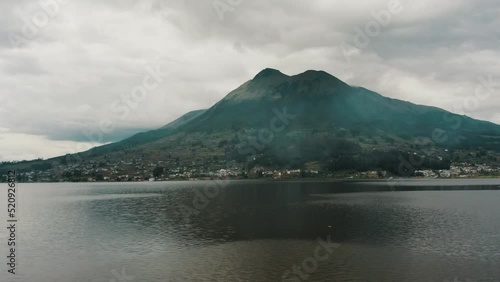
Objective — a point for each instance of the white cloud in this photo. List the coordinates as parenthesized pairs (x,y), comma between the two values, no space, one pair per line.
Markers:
(19,146)
(93,52)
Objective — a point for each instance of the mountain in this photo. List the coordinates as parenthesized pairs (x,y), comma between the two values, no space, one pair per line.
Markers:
(322,102)
(149,136)
(308,120)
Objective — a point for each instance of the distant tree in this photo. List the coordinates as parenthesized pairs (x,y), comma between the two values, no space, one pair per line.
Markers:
(42,166)
(158,171)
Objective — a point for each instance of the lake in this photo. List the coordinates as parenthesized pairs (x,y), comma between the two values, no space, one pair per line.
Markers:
(413,230)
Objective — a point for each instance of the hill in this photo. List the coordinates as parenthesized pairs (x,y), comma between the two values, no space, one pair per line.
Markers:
(311,121)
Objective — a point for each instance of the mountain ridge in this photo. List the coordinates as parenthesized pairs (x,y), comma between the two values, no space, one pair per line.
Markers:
(336,126)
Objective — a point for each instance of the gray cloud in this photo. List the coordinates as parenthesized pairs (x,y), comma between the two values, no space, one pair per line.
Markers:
(90,53)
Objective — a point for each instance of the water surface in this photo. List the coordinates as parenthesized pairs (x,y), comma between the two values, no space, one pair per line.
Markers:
(255,231)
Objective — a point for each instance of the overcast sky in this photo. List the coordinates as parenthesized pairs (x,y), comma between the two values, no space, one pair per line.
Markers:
(63,66)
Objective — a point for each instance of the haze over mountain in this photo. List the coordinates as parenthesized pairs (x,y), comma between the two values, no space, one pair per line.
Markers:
(322,103)
(310,119)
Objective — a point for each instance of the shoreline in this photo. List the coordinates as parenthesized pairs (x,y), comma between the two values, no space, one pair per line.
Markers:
(303,180)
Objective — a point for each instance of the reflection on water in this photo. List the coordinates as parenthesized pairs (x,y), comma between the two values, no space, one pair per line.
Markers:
(254,231)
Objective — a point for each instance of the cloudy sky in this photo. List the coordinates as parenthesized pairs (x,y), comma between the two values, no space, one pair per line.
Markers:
(68,67)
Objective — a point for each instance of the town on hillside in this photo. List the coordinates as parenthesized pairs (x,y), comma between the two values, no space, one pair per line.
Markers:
(139,170)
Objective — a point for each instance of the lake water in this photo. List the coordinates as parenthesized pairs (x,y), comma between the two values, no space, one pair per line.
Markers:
(256,231)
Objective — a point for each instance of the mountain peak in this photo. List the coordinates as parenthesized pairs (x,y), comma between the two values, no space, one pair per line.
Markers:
(274,76)
(269,72)
(314,74)
(320,77)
